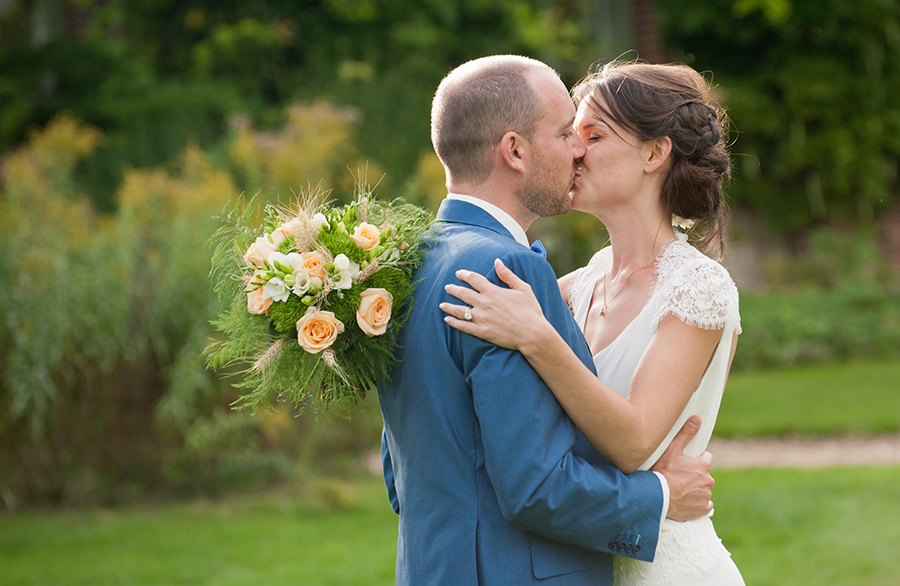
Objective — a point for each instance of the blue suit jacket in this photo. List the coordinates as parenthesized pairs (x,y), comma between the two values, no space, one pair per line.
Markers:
(492,482)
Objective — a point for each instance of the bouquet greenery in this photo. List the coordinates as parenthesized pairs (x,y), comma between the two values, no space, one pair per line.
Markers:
(314,299)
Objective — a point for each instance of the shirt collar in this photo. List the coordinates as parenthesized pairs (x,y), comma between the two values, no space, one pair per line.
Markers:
(505,219)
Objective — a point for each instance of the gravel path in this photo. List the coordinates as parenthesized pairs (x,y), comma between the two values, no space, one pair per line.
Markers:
(794,452)
(800,452)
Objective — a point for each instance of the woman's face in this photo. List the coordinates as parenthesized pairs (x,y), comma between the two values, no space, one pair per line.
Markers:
(613,164)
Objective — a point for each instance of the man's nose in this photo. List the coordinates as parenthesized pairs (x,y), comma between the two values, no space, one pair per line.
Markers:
(578,147)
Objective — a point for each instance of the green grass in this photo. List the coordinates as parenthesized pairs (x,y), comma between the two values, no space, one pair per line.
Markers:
(784,527)
(834,399)
(287,539)
(832,526)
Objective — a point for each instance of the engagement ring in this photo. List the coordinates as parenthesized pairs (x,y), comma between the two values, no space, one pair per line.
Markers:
(468,315)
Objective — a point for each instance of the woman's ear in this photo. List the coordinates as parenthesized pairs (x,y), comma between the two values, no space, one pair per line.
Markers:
(513,149)
(658,152)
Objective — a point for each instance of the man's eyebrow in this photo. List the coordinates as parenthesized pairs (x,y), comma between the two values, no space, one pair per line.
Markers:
(565,127)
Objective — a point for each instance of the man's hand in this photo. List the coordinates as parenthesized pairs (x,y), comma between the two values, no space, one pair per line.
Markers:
(690,485)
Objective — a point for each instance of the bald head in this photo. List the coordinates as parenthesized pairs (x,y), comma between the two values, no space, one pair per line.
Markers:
(475,105)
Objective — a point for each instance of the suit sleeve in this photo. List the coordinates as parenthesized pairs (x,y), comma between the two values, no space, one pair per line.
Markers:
(528,443)
(387,467)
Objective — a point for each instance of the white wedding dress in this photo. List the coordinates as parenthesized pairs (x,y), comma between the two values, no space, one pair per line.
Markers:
(699,292)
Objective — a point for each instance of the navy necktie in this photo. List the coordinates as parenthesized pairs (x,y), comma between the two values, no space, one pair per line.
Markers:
(538,247)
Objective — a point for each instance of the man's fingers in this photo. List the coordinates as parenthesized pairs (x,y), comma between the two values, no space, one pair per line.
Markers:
(687,433)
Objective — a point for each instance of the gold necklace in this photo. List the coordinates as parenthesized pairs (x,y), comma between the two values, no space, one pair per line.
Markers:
(625,284)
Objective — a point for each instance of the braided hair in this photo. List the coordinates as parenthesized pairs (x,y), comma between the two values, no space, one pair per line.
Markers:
(653,101)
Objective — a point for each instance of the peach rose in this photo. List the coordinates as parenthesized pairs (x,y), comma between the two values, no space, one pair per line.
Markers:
(374,311)
(257,303)
(278,236)
(317,330)
(314,263)
(259,251)
(366,236)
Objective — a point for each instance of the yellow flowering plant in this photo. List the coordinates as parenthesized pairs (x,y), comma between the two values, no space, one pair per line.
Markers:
(315,297)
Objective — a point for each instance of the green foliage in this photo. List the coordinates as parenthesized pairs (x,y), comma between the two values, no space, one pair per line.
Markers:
(154,76)
(810,88)
(815,326)
(837,300)
(105,320)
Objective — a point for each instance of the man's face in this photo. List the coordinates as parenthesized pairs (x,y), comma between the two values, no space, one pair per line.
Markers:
(556,148)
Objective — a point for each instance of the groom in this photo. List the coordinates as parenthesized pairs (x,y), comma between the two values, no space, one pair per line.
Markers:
(492,482)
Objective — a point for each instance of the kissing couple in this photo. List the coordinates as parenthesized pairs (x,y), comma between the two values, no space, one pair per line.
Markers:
(552,431)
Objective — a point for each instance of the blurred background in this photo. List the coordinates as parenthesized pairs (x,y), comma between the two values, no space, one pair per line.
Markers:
(126,125)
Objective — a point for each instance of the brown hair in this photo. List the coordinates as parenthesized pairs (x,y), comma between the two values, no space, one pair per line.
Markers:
(475,105)
(652,101)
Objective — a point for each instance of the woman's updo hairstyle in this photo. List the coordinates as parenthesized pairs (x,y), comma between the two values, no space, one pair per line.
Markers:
(652,101)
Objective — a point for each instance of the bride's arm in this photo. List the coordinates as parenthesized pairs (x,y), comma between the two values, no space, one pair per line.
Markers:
(628,431)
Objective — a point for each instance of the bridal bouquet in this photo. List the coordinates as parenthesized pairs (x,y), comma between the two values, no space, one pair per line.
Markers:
(315,297)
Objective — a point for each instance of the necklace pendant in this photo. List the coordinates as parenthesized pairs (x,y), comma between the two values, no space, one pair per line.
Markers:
(603,311)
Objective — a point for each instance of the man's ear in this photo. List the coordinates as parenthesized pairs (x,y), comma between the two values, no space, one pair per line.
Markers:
(513,149)
(658,151)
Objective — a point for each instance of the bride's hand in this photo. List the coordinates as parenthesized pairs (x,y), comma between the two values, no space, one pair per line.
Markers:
(505,317)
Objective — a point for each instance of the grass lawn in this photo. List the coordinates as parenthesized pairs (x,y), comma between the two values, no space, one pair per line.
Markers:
(271,540)
(834,526)
(784,527)
(834,399)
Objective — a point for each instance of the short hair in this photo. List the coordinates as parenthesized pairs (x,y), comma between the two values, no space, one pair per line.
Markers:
(475,105)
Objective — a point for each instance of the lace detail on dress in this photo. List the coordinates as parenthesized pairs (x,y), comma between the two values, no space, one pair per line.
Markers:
(686,554)
(694,288)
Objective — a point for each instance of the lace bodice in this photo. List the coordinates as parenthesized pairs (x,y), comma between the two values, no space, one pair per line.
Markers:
(699,292)
(689,285)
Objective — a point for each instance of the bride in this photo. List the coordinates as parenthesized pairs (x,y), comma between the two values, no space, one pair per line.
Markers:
(661,318)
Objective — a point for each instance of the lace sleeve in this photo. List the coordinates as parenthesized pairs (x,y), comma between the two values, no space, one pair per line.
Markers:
(695,289)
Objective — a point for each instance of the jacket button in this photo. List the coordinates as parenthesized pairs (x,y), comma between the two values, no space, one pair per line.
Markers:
(629,548)
(613,544)
(620,546)
(637,548)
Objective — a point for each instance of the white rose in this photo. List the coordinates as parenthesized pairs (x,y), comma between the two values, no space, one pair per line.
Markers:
(276,289)
(341,262)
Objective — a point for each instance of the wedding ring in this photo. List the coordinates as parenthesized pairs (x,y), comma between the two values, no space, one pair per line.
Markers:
(468,315)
